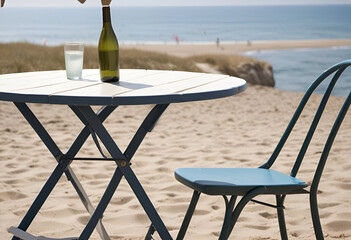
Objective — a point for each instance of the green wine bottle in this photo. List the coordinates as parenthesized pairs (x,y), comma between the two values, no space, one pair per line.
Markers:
(108,50)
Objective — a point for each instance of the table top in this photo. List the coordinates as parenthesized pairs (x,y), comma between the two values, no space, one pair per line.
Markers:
(135,87)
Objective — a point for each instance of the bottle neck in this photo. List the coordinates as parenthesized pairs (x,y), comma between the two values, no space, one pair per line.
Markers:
(106,16)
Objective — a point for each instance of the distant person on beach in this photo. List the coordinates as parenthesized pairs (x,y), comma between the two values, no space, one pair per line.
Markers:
(103,2)
(217,42)
(176,38)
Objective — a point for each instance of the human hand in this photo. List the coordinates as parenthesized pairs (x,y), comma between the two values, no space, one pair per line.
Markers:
(103,2)
(106,2)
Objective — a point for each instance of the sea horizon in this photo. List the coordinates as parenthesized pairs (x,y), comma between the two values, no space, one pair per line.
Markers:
(193,25)
(190,24)
(203,5)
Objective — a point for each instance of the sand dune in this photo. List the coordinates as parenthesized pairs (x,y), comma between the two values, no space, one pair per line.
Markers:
(239,131)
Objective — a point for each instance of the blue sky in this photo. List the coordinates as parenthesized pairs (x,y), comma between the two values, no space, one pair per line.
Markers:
(36,3)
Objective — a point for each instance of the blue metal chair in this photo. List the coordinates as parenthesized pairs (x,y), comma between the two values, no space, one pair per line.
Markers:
(250,182)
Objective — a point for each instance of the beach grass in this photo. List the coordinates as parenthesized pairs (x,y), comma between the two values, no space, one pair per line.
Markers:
(26,57)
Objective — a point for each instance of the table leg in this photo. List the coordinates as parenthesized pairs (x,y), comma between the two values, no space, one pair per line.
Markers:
(56,152)
(74,149)
(147,125)
(94,121)
(42,196)
(145,202)
(101,207)
(86,202)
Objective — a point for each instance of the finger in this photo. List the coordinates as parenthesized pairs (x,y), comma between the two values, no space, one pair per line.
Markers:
(81,1)
(2,3)
(106,2)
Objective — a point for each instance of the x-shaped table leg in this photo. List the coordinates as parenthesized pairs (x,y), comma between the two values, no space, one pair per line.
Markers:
(61,167)
(123,168)
(94,121)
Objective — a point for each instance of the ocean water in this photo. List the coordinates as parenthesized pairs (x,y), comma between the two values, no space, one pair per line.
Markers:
(295,70)
(160,25)
(191,24)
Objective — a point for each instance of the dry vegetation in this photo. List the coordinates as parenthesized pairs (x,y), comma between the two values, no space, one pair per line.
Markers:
(25,57)
(226,64)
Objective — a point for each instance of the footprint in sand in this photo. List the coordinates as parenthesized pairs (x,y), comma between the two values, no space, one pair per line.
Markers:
(258,227)
(339,226)
(18,171)
(83,219)
(171,195)
(268,215)
(345,186)
(327,205)
(11,195)
(10,182)
(121,200)
(215,207)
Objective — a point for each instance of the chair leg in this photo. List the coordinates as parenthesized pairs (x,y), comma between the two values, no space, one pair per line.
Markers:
(188,215)
(280,210)
(227,218)
(315,216)
(242,203)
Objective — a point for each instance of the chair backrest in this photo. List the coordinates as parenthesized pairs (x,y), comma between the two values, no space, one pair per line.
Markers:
(337,70)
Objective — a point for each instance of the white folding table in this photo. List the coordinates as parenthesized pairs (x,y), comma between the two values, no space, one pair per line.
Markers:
(136,87)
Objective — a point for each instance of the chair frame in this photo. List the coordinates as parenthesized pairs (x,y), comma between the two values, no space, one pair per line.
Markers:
(232,212)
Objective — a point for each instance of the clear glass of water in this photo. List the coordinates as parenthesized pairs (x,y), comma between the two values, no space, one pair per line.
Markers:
(74,59)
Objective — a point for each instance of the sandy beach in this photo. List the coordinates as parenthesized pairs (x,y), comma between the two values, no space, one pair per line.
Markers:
(184,49)
(238,131)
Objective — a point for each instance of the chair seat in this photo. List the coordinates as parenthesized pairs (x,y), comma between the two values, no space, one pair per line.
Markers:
(237,181)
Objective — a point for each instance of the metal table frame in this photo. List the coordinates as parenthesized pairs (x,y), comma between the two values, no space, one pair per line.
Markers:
(93,124)
(139,87)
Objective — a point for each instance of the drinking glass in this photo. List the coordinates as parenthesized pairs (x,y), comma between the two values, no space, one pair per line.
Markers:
(74,59)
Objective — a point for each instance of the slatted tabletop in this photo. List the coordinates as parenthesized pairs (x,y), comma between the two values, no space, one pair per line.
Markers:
(135,87)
